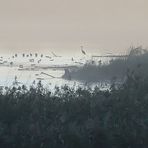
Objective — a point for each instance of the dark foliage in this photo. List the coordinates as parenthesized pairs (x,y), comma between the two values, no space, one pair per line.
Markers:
(80,118)
(137,60)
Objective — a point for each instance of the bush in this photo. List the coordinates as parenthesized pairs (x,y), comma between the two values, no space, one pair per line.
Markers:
(76,118)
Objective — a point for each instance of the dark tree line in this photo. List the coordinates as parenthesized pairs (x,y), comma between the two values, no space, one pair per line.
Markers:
(137,60)
(82,118)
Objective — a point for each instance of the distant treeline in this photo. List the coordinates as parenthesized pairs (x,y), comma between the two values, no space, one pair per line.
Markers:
(82,118)
(137,60)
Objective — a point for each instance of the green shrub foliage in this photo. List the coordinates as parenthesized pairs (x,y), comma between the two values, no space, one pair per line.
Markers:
(115,118)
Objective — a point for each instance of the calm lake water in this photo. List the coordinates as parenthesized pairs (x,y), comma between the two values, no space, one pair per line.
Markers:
(22,70)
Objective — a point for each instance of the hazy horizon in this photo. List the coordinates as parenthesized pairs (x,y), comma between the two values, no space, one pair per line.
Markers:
(101,26)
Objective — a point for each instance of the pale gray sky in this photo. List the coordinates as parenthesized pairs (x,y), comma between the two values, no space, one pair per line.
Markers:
(64,25)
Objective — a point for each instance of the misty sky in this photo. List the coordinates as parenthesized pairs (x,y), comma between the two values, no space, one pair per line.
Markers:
(62,26)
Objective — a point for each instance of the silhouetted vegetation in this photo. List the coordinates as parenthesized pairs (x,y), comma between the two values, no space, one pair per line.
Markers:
(69,118)
(137,60)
